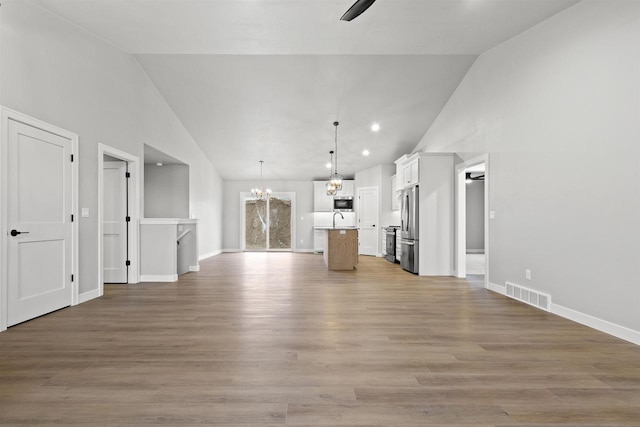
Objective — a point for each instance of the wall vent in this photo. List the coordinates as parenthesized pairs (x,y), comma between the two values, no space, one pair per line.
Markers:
(529,296)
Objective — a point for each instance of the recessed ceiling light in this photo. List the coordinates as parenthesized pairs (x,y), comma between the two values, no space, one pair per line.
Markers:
(375,127)
(328,165)
(159,164)
(365,152)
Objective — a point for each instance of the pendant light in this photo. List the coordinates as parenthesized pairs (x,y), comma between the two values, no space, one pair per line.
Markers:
(331,189)
(336,179)
(261,193)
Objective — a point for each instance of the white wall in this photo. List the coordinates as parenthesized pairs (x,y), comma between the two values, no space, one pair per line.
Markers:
(166,191)
(55,72)
(558,109)
(304,211)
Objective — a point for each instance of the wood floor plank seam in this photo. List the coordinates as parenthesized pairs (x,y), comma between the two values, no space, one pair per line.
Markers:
(269,339)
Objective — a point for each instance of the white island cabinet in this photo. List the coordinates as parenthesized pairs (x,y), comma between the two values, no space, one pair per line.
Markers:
(168,248)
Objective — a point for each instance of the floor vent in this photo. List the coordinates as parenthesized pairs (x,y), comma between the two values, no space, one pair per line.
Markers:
(529,296)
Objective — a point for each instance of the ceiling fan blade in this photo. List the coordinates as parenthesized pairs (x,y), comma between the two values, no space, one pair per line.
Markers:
(356,9)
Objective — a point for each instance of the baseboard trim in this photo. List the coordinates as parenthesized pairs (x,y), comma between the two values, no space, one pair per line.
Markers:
(194,268)
(208,255)
(231,250)
(601,325)
(87,296)
(475,251)
(497,288)
(304,251)
(158,278)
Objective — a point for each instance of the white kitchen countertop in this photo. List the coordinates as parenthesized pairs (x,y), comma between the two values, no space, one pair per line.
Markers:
(337,227)
(168,221)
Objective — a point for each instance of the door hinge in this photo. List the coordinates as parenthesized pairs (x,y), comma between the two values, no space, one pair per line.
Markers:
(127,263)
(71,217)
(72,277)
(72,158)
(127,175)
(127,219)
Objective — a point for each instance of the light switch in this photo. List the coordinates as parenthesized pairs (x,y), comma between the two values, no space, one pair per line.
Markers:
(492,214)
(85,213)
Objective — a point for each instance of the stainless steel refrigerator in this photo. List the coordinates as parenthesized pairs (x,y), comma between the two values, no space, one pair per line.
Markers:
(409,229)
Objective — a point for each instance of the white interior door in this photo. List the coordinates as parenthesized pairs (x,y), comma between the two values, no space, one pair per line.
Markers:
(368,221)
(114,222)
(39,258)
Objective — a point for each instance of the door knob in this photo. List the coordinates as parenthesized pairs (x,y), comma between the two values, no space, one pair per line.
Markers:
(14,233)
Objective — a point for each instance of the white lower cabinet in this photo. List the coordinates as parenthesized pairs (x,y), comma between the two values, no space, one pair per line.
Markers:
(318,240)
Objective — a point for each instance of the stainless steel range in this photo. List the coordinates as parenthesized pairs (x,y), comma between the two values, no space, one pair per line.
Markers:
(390,246)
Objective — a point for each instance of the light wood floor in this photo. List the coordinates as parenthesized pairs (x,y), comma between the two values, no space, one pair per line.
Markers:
(272,339)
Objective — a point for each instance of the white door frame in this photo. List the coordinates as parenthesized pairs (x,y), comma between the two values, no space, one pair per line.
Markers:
(8,114)
(461,216)
(133,164)
(243,243)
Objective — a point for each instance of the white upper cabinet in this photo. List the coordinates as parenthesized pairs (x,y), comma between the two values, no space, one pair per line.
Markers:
(407,171)
(321,202)
(324,203)
(348,188)
(395,195)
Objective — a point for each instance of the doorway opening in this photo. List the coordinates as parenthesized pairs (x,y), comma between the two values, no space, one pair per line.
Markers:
(472,221)
(267,225)
(118,215)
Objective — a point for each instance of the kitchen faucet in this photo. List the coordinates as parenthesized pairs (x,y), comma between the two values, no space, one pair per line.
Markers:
(334,218)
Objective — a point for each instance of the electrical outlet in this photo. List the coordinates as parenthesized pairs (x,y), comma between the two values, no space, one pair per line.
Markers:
(492,214)
(527,274)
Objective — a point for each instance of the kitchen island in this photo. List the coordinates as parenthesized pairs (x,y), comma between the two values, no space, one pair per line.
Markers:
(341,248)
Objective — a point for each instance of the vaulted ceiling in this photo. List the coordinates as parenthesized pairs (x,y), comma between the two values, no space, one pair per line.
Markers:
(265,79)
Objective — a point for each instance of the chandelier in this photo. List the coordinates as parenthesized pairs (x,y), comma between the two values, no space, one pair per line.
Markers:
(336,179)
(331,189)
(261,193)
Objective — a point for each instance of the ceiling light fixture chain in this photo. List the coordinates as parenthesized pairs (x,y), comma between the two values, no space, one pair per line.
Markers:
(336,179)
(331,189)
